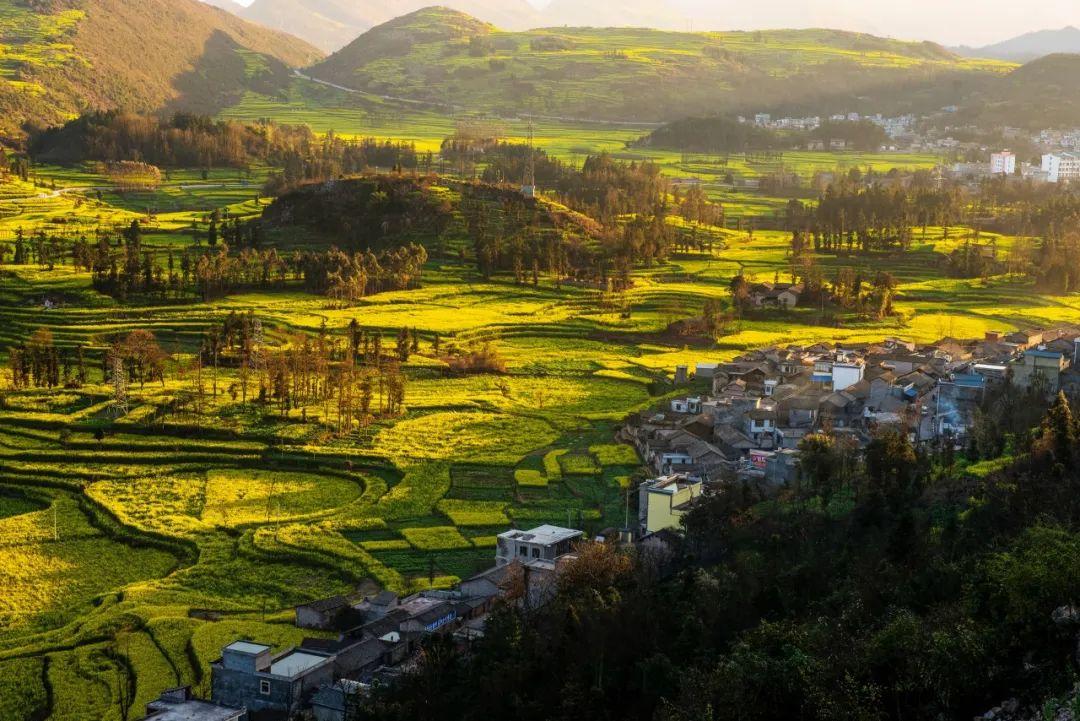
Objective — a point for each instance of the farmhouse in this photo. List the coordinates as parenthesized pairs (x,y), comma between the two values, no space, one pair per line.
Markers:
(663,501)
(769,295)
(1035,366)
(248,676)
(325,614)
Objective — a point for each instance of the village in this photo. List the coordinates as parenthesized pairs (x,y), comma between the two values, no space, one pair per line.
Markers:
(745,428)
(761,405)
(366,640)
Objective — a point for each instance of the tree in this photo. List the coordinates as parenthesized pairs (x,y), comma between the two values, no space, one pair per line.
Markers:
(891,466)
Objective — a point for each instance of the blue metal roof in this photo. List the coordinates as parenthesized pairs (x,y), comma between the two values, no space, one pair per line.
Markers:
(1053,354)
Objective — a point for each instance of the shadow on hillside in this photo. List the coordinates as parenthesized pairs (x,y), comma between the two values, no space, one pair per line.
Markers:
(224,73)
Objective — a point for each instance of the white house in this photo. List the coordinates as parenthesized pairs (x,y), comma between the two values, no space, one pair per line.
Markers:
(543,544)
(1003,163)
(846,373)
(1061,167)
(686,405)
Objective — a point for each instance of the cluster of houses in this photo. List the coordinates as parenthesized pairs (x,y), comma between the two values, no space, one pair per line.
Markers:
(373,639)
(762,404)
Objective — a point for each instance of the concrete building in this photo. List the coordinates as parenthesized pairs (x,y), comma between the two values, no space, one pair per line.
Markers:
(1003,163)
(248,676)
(662,502)
(846,373)
(178,704)
(1061,167)
(544,543)
(1040,364)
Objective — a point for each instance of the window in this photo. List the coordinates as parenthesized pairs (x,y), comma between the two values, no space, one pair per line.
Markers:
(523,550)
(264,688)
(536,553)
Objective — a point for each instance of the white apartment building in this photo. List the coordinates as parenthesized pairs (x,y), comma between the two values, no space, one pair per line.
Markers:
(1061,167)
(1003,163)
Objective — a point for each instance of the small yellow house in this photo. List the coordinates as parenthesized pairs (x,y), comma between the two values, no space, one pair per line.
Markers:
(663,501)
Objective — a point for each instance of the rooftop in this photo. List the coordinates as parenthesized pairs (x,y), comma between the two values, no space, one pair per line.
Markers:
(544,535)
(253,649)
(190,710)
(296,663)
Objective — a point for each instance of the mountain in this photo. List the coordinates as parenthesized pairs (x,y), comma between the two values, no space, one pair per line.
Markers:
(331,24)
(74,55)
(1030,46)
(1044,93)
(445,57)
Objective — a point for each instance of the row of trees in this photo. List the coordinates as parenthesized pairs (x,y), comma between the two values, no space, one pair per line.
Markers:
(854,216)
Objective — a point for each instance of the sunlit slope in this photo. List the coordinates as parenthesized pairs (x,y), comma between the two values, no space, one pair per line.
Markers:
(442,56)
(59,59)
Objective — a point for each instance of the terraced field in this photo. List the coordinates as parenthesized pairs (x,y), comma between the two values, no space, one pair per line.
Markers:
(136,545)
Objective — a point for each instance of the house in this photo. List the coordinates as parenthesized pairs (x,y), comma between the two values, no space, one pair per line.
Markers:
(326,614)
(768,295)
(733,442)
(178,704)
(839,409)
(248,676)
(354,656)
(544,543)
(759,425)
(993,373)
(752,374)
(436,617)
(338,702)
(1024,339)
(847,372)
(801,410)
(662,502)
(378,605)
(790,438)
(686,405)
(678,449)
(1036,365)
